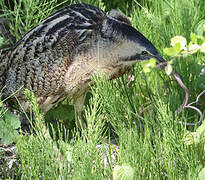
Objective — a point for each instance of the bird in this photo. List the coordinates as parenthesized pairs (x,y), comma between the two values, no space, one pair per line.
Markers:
(58,58)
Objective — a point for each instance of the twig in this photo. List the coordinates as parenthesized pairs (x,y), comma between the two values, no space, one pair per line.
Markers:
(196,109)
(186,99)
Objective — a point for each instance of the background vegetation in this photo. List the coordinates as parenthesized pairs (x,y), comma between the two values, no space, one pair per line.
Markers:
(136,112)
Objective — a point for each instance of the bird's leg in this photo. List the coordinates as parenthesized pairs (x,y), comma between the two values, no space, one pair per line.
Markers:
(78,105)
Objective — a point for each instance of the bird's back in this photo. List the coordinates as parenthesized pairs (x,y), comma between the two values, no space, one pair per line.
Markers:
(59,57)
(41,58)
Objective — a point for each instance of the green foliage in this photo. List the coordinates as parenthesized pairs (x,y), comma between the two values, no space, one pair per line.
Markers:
(124,172)
(147,65)
(40,156)
(99,3)
(168,69)
(9,124)
(180,47)
(63,112)
(136,109)
(38,159)
(24,15)
(195,137)
(1,41)
(202,174)
(124,6)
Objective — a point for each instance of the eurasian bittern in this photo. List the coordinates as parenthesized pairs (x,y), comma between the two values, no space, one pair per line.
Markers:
(59,57)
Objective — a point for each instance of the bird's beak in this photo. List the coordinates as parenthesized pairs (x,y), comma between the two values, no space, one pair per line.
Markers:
(161,63)
(160,59)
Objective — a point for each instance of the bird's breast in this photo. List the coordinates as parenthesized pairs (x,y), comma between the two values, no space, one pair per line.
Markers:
(80,73)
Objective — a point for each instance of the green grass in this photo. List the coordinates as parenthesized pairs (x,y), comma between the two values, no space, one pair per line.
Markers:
(118,107)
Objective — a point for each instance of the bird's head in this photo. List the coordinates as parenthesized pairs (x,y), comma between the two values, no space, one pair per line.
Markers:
(115,37)
(128,43)
(111,34)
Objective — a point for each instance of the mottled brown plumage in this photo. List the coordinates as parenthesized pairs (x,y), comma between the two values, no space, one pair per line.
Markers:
(58,58)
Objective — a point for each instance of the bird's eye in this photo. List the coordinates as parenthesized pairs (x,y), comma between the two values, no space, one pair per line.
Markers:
(144,53)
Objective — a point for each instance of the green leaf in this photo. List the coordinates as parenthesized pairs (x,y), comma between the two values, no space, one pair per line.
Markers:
(62,111)
(200,28)
(124,172)
(200,40)
(195,137)
(202,174)
(179,39)
(1,104)
(152,62)
(191,138)
(193,38)
(1,40)
(8,125)
(146,69)
(201,128)
(148,65)
(168,69)
(13,120)
(177,47)
(2,127)
(9,137)
(170,51)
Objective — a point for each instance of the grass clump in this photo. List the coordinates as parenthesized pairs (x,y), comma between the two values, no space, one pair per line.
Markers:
(24,15)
